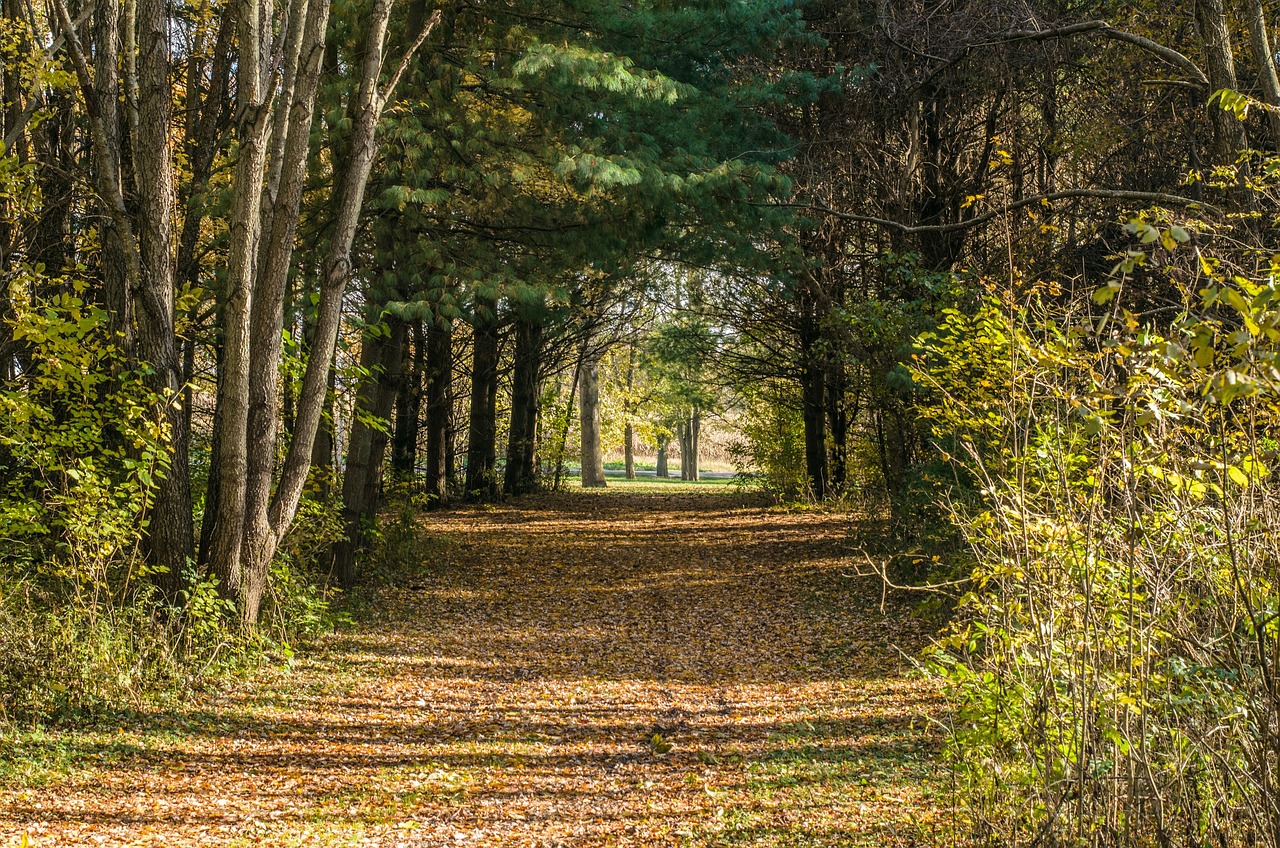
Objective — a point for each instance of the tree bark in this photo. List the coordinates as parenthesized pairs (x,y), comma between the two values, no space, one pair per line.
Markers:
(379,357)
(140,238)
(589,418)
(661,469)
(439,377)
(682,438)
(521,472)
(1263,55)
(253,108)
(1228,133)
(812,398)
(106,79)
(323,446)
(482,441)
(303,48)
(566,416)
(629,450)
(169,535)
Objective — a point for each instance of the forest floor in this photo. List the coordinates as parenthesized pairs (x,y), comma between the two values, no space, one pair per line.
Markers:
(649,665)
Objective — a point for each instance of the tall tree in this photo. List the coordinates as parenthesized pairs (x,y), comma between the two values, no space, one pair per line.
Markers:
(589,418)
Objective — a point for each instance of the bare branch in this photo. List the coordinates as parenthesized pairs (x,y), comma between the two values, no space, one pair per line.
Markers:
(1106,30)
(408,57)
(1153,198)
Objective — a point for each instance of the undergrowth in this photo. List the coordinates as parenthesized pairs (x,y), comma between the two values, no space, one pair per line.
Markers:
(84,628)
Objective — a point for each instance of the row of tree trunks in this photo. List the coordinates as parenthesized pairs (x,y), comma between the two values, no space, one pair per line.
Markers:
(277,79)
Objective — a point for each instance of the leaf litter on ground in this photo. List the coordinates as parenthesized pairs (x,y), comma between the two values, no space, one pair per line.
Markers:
(644,666)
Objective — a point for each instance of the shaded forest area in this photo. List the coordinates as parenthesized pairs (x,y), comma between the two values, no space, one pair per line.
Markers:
(1000,277)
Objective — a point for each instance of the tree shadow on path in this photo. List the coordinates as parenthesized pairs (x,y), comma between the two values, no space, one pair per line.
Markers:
(577,669)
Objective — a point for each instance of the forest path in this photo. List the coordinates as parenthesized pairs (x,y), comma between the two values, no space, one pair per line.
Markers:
(657,666)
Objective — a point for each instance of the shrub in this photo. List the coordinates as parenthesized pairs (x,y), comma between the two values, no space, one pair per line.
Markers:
(772,444)
(1113,668)
(82,625)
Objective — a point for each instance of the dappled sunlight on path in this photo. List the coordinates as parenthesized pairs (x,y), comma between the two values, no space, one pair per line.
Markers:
(616,668)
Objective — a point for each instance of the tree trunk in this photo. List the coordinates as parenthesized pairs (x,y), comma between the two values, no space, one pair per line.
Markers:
(253,107)
(323,447)
(521,474)
(1228,133)
(661,469)
(1264,57)
(629,450)
(404,449)
(482,441)
(566,416)
(439,377)
(684,433)
(253,516)
(379,358)
(589,418)
(815,436)
(629,430)
(838,425)
(114,263)
(169,534)
(274,257)
(695,437)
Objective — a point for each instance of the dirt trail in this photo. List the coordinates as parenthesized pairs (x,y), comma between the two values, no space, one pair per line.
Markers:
(620,668)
